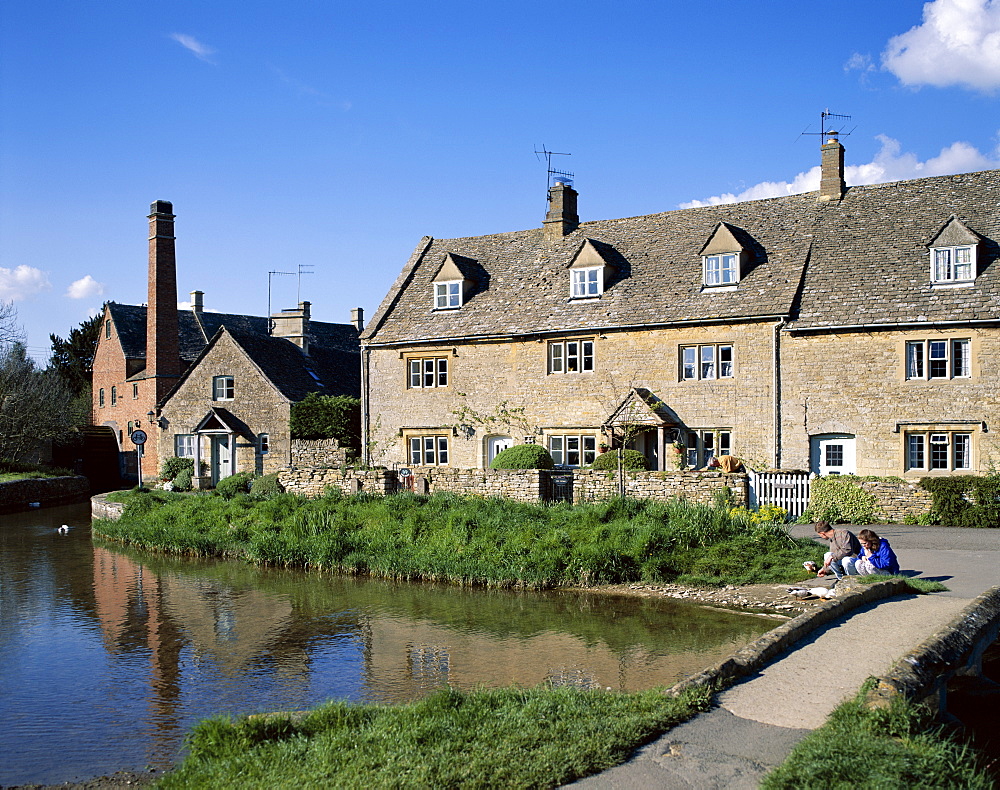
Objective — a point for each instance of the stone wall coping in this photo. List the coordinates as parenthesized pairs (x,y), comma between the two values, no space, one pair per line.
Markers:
(753,657)
(100,507)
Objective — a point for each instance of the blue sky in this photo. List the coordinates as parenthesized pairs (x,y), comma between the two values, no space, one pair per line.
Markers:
(334,135)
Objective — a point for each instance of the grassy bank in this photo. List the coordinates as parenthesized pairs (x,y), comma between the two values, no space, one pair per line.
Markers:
(470,540)
(505,738)
(879,749)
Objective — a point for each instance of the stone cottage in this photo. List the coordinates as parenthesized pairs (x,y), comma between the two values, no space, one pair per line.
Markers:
(213,386)
(845,330)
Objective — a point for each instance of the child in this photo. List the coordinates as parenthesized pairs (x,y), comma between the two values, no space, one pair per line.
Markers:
(876,556)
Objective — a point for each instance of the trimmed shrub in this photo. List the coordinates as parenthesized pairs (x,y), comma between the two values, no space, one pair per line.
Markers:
(523,456)
(632,460)
(965,500)
(328,417)
(839,498)
(266,487)
(239,483)
(183,480)
(174,466)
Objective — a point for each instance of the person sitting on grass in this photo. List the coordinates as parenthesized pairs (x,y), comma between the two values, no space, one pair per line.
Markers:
(876,556)
(844,550)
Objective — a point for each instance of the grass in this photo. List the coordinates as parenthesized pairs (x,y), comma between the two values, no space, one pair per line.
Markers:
(470,540)
(19,470)
(880,749)
(508,738)
(921,586)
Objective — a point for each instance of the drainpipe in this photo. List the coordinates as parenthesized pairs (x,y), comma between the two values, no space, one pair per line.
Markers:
(365,450)
(776,385)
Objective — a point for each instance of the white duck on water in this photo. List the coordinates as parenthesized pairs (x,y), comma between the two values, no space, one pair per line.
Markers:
(63,529)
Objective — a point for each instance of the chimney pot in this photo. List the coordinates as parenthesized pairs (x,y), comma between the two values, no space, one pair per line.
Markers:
(197,301)
(831,182)
(358,318)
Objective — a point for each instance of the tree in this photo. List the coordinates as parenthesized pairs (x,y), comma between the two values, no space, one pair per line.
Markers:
(73,358)
(35,405)
(9,330)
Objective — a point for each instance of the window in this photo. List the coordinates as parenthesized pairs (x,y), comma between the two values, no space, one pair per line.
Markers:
(448,295)
(114,396)
(184,445)
(107,328)
(706,362)
(586,282)
(703,445)
(429,450)
(571,356)
(135,392)
(938,450)
(223,388)
(264,443)
(573,450)
(953,264)
(938,359)
(722,269)
(428,372)
(100,398)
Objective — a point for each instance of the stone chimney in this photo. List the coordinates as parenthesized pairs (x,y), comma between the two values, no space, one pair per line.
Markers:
(163,360)
(197,301)
(293,325)
(358,318)
(831,180)
(561,217)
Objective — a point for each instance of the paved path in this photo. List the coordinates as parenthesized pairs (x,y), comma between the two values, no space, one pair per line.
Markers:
(760,720)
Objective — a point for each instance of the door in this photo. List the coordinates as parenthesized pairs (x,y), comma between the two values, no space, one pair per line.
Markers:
(495,445)
(832,454)
(222,457)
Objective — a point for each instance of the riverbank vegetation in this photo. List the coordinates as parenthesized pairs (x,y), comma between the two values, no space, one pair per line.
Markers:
(471,540)
(20,470)
(542,737)
(874,748)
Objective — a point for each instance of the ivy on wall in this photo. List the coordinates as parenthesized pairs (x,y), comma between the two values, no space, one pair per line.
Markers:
(965,500)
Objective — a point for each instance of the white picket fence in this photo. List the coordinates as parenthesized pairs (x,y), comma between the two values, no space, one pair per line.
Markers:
(789,490)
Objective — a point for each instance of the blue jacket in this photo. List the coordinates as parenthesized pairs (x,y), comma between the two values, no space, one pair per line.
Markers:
(883,557)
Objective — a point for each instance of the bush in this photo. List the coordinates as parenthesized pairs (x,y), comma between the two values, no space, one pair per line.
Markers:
(239,483)
(266,487)
(965,500)
(523,456)
(632,460)
(328,417)
(174,466)
(183,480)
(839,498)
(21,467)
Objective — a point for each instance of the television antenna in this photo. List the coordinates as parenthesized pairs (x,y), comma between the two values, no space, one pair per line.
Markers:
(270,321)
(829,131)
(303,267)
(554,176)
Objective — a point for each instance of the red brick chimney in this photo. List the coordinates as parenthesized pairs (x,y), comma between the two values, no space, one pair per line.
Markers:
(163,360)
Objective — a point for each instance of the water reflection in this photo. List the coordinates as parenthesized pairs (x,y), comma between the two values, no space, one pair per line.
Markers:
(107,657)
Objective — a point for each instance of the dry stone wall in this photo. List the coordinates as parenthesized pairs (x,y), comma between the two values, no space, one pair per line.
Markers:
(20,494)
(898,498)
(699,487)
(317,452)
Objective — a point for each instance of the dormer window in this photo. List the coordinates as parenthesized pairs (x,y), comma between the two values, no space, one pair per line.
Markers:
(725,257)
(589,270)
(587,282)
(953,264)
(447,295)
(953,254)
(722,269)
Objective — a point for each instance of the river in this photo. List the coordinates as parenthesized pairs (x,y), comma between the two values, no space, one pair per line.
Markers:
(108,657)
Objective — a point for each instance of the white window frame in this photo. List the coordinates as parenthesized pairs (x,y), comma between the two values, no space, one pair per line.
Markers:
(263,443)
(427,372)
(937,451)
(135,392)
(946,267)
(938,359)
(428,450)
(706,362)
(571,356)
(586,283)
(572,450)
(448,294)
(184,445)
(703,444)
(223,388)
(721,269)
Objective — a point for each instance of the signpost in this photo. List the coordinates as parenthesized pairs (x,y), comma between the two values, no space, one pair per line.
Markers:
(138,438)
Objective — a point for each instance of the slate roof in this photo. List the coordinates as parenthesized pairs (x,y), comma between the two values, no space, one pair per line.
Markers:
(863,260)
(334,354)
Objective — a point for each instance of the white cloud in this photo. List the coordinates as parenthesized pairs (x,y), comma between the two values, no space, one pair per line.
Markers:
(201,51)
(187,306)
(859,62)
(84,288)
(889,164)
(22,282)
(957,44)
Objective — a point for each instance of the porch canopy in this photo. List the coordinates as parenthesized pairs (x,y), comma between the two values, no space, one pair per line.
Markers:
(639,415)
(222,428)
